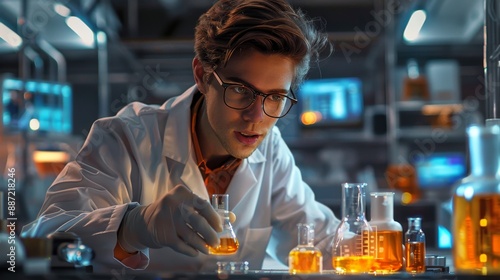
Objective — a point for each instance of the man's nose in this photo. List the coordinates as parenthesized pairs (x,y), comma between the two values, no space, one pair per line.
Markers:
(255,112)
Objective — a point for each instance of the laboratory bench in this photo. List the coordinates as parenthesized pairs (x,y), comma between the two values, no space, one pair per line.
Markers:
(271,271)
(257,274)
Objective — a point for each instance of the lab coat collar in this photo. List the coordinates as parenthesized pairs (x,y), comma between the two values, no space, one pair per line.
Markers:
(177,126)
(243,182)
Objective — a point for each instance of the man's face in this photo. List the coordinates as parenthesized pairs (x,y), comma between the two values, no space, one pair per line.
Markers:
(239,132)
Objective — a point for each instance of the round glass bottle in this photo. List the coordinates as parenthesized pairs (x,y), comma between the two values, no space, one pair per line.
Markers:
(305,258)
(388,233)
(353,244)
(476,206)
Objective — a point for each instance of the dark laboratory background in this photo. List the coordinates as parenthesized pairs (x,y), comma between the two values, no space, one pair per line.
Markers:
(389,107)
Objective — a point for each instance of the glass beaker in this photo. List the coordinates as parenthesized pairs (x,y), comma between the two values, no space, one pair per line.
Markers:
(353,244)
(388,233)
(305,258)
(415,246)
(228,242)
(476,206)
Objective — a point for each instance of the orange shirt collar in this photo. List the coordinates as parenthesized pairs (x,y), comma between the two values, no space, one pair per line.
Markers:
(202,164)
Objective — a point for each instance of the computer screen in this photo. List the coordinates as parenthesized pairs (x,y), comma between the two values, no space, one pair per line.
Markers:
(331,102)
(440,170)
(36,105)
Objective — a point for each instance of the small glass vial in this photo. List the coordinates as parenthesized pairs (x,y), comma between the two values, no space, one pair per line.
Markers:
(353,245)
(228,242)
(415,246)
(305,258)
(388,233)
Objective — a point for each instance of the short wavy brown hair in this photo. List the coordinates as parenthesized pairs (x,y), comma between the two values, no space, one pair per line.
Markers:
(269,26)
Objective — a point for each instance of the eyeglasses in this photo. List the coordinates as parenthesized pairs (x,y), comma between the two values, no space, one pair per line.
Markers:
(239,97)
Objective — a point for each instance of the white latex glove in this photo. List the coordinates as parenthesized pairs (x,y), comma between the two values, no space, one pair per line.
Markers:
(180,220)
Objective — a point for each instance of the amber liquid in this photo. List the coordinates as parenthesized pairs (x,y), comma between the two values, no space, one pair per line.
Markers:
(305,261)
(415,257)
(227,246)
(353,264)
(389,254)
(476,232)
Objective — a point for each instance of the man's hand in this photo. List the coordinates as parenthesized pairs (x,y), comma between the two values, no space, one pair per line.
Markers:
(180,220)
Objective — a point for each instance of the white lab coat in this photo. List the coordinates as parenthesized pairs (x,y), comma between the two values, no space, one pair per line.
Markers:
(143,152)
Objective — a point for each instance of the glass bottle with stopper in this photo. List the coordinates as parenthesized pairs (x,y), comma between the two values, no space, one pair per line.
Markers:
(228,242)
(305,258)
(353,244)
(388,233)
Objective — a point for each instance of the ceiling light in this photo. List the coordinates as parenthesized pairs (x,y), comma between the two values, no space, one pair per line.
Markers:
(414,25)
(10,36)
(62,10)
(81,29)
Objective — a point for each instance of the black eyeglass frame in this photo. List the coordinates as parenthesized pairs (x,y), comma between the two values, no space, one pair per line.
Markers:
(255,92)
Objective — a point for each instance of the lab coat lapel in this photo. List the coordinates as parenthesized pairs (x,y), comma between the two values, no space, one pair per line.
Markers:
(191,177)
(245,179)
(181,154)
(177,137)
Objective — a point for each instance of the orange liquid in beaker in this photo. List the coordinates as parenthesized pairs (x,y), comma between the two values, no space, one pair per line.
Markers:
(389,256)
(305,261)
(353,264)
(227,246)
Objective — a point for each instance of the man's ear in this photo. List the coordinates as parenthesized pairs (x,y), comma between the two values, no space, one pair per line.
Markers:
(198,74)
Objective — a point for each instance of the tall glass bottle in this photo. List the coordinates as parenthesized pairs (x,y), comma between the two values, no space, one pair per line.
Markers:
(388,233)
(353,244)
(415,246)
(228,242)
(305,258)
(476,206)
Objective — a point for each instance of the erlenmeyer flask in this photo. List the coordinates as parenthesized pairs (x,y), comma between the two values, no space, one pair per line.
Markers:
(353,245)
(228,242)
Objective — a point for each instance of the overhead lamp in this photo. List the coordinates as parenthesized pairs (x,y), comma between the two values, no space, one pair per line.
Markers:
(62,10)
(10,36)
(81,29)
(414,25)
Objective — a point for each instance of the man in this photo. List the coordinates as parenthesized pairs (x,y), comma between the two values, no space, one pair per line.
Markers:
(138,192)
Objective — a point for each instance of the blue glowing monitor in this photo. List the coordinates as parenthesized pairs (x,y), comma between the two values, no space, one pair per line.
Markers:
(440,170)
(36,106)
(331,102)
